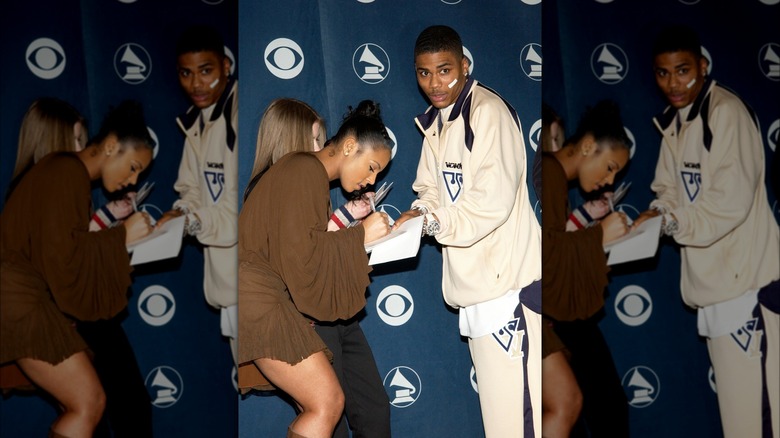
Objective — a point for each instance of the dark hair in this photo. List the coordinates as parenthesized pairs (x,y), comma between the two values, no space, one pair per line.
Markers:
(200,38)
(439,38)
(126,122)
(677,38)
(365,124)
(603,122)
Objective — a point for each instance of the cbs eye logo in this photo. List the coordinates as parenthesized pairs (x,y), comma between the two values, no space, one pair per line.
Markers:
(395,305)
(633,305)
(45,58)
(156,305)
(284,58)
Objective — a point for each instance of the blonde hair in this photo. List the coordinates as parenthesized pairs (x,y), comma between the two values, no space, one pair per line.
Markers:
(47,127)
(286,127)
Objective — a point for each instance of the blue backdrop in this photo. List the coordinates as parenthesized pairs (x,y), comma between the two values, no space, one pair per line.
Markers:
(335,53)
(602,49)
(93,55)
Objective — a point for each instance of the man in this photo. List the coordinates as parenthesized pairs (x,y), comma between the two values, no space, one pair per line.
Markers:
(709,185)
(207,182)
(472,191)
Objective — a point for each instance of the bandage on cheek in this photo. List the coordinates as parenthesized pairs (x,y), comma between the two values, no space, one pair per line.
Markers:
(216,81)
(452,84)
(691,83)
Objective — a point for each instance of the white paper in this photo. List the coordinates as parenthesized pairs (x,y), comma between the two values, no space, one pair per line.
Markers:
(162,243)
(400,244)
(640,243)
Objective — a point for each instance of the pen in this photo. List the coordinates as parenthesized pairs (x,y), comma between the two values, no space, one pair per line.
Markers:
(135,206)
(371,202)
(611,205)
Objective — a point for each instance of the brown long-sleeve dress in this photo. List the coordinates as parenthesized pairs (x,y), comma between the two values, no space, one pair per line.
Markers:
(291,270)
(52,267)
(574,265)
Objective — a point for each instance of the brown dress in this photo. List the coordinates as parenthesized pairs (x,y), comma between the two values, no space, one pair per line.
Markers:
(291,269)
(52,267)
(574,265)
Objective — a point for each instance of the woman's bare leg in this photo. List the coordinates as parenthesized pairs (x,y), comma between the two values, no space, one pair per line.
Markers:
(313,385)
(75,386)
(561,396)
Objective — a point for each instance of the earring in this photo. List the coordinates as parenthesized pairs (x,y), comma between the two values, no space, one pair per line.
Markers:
(346,153)
(584,154)
(108,154)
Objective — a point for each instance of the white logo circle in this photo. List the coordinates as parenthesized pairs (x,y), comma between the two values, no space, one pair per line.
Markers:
(365,1)
(770,2)
(395,305)
(631,149)
(156,142)
(45,58)
(642,386)
(212,2)
(689,2)
(773,135)
(371,63)
(609,63)
(451,2)
(473,379)
(232,59)
(535,134)
(403,386)
(531,2)
(604,1)
(531,61)
(132,63)
(156,305)
(127,1)
(391,134)
(470,59)
(284,58)
(165,386)
(769,61)
(633,305)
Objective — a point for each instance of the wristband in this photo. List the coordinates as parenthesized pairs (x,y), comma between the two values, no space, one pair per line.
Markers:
(342,217)
(431,226)
(580,217)
(103,217)
(192,224)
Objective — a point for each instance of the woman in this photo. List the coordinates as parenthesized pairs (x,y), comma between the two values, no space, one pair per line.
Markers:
(293,271)
(52,125)
(574,263)
(54,269)
(286,126)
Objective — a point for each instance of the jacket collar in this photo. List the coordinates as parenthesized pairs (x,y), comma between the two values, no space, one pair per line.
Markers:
(189,118)
(427,119)
(666,118)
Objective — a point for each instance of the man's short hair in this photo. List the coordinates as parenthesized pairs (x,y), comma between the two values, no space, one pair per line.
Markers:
(439,38)
(200,38)
(677,38)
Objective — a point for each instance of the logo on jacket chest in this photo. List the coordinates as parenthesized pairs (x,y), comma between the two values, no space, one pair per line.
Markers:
(691,176)
(453,179)
(215,179)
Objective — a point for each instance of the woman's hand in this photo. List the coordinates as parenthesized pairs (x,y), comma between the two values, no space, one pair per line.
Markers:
(137,226)
(122,208)
(598,208)
(376,226)
(614,226)
(361,207)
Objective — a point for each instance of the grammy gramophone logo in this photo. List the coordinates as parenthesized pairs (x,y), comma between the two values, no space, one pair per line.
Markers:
(165,386)
(403,386)
(371,63)
(132,63)
(642,386)
(609,63)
